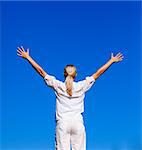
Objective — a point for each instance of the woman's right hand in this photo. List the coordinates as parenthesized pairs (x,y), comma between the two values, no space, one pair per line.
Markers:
(117,58)
(22,53)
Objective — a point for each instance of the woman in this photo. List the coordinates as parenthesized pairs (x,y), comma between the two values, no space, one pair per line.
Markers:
(70,130)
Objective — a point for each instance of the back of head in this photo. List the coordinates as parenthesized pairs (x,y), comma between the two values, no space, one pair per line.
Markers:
(69,74)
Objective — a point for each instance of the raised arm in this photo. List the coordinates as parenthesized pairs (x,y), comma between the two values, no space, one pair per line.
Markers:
(25,54)
(112,60)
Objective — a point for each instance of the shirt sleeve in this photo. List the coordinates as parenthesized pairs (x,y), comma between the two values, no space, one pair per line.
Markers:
(51,81)
(87,83)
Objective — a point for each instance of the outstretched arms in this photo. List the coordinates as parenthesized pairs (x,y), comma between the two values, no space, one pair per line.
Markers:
(25,54)
(112,60)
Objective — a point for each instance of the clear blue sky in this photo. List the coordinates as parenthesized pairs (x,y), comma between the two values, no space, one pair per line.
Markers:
(84,34)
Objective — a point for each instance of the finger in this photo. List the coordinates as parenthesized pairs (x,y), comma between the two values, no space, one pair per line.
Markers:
(118,54)
(22,48)
(111,54)
(121,57)
(19,51)
(19,48)
(19,54)
(28,50)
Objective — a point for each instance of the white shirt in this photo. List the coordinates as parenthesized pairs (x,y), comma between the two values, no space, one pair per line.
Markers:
(69,106)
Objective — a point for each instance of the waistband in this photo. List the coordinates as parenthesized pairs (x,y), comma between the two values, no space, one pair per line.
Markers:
(70,118)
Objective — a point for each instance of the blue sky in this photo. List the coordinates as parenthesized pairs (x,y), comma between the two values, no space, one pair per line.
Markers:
(79,33)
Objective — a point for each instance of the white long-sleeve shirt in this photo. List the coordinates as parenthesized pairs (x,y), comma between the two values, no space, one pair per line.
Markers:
(69,106)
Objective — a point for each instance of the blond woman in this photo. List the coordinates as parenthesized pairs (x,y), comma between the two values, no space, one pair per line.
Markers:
(70,130)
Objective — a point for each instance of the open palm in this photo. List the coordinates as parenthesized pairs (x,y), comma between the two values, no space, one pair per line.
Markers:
(21,52)
(117,58)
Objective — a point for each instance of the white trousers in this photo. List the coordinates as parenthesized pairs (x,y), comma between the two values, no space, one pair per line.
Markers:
(70,133)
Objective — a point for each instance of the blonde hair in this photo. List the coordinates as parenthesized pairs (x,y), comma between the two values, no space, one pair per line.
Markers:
(69,74)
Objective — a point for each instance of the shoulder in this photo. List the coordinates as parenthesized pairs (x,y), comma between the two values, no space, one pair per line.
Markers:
(88,79)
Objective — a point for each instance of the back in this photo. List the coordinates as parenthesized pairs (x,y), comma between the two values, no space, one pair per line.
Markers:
(69,106)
